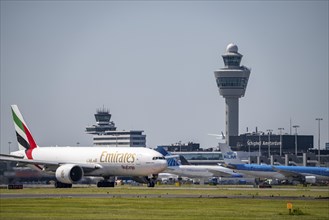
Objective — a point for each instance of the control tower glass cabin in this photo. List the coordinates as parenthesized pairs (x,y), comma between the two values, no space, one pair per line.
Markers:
(232,82)
(104,123)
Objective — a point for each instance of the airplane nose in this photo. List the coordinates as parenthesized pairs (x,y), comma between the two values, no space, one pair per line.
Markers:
(162,165)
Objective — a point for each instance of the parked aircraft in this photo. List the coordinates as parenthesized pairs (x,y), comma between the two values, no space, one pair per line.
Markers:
(70,164)
(194,171)
(302,174)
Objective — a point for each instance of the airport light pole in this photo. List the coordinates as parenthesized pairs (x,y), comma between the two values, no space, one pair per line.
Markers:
(281,129)
(295,126)
(260,144)
(319,120)
(248,148)
(269,142)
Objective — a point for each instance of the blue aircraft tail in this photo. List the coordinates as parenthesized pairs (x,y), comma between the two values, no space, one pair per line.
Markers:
(171,161)
(230,157)
(183,160)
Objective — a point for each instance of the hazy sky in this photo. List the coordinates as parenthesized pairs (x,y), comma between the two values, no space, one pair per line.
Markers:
(152,64)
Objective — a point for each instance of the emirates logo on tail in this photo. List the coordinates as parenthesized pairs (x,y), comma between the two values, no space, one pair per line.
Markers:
(24,136)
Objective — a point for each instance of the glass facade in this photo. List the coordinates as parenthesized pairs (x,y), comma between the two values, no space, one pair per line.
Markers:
(244,142)
(201,156)
(103,117)
(232,60)
(232,82)
(124,138)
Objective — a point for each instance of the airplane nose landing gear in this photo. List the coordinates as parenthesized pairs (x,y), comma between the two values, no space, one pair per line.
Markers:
(151,180)
(107,182)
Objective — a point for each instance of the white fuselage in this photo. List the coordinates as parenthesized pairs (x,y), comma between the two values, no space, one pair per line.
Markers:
(112,161)
(263,174)
(200,171)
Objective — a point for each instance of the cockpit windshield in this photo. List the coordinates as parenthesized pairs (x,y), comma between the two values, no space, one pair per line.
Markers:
(158,158)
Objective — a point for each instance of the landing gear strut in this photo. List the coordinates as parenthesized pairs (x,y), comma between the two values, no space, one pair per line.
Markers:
(151,184)
(151,180)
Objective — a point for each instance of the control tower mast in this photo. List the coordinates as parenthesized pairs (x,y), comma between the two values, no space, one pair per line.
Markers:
(232,82)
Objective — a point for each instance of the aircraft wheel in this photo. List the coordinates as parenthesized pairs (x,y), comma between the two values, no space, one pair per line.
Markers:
(150,184)
(62,185)
(105,184)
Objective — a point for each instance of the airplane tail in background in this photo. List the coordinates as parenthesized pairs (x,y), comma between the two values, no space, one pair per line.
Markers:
(24,136)
(171,160)
(183,160)
(229,156)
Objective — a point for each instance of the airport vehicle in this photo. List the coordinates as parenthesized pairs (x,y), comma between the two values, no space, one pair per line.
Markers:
(183,169)
(303,174)
(71,164)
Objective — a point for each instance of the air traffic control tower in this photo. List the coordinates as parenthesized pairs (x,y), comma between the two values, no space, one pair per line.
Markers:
(232,82)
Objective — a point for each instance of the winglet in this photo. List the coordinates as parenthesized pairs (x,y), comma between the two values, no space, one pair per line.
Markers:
(24,136)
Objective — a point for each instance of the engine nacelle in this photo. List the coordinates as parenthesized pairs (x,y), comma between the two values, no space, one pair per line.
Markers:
(310,179)
(69,173)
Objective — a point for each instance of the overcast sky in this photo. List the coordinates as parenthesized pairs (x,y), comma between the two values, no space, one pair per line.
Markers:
(152,64)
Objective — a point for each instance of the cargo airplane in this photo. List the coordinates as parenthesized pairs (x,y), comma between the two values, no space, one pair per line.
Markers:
(71,164)
(303,174)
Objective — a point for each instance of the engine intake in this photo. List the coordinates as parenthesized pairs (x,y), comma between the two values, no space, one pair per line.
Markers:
(69,173)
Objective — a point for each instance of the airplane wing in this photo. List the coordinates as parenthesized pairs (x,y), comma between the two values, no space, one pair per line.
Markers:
(49,165)
(10,156)
(219,173)
(288,173)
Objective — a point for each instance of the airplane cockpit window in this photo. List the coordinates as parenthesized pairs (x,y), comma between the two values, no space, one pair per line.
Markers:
(158,158)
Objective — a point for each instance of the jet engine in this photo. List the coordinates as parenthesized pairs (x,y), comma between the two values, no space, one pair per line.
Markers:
(69,173)
(310,179)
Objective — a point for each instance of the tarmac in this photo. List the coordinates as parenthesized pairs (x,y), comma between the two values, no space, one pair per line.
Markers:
(20,195)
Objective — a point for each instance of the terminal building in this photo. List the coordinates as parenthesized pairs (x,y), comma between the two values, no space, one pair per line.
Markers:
(272,144)
(106,134)
(194,154)
(248,151)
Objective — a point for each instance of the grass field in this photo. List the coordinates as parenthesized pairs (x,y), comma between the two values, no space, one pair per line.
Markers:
(166,208)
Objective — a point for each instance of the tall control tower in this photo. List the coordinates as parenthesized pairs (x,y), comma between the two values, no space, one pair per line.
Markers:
(232,82)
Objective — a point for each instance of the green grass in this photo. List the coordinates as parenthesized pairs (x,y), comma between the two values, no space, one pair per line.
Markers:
(253,207)
(159,208)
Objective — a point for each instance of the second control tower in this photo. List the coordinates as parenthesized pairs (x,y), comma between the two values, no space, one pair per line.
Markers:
(232,82)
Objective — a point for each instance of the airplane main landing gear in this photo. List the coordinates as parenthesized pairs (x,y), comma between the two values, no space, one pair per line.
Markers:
(62,185)
(106,182)
(151,180)
(151,184)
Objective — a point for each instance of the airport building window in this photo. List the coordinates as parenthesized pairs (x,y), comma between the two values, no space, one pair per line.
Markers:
(203,156)
(231,82)
(232,60)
